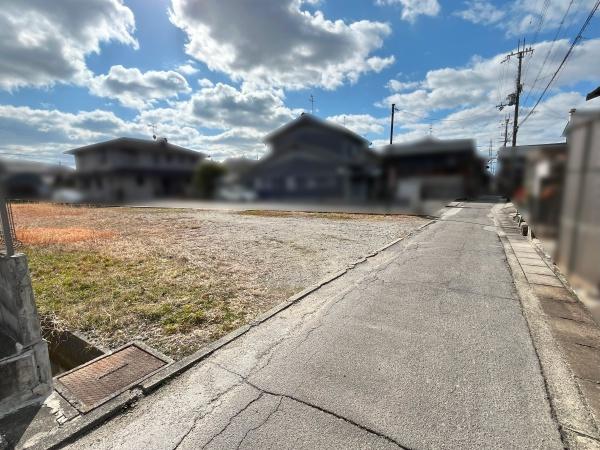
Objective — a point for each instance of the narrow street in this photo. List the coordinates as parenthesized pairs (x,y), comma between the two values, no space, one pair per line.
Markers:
(422,346)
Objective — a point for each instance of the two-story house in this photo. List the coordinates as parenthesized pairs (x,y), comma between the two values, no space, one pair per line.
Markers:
(127,169)
(313,159)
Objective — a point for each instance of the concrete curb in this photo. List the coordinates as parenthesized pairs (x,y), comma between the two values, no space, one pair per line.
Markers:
(83,424)
(568,407)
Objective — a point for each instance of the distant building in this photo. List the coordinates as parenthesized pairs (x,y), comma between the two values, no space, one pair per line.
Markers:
(127,169)
(513,165)
(432,169)
(236,184)
(313,159)
(22,179)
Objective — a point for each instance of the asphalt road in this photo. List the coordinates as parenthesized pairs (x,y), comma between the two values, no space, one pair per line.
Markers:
(422,346)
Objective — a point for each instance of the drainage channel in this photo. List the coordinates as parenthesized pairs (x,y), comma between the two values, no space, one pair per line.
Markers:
(68,350)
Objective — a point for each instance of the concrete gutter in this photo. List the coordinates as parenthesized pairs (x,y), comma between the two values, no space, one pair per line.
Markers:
(73,429)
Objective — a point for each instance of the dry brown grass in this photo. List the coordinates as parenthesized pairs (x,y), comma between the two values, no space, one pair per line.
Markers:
(317,215)
(29,211)
(68,235)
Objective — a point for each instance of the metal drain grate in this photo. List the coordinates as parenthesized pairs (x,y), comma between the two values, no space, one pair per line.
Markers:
(96,382)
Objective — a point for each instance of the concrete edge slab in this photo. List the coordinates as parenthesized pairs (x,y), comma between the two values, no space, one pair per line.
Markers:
(85,423)
(82,424)
(566,401)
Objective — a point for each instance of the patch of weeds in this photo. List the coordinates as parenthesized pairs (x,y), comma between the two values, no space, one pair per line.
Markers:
(89,291)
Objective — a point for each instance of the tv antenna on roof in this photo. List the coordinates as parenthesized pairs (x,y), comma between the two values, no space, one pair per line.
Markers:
(153,126)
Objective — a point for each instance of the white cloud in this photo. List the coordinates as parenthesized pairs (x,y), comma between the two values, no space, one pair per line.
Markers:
(361,123)
(43,42)
(276,43)
(187,69)
(483,123)
(137,89)
(44,134)
(205,82)
(241,118)
(478,82)
(412,9)
(224,107)
(466,96)
(398,86)
(481,11)
(525,17)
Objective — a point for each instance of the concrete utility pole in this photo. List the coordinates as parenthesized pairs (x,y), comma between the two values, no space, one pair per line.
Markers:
(506,122)
(514,98)
(394,109)
(490,158)
(312,104)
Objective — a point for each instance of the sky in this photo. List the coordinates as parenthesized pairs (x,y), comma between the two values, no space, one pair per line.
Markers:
(217,75)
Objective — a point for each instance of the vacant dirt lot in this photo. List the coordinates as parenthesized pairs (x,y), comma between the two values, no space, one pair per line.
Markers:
(178,279)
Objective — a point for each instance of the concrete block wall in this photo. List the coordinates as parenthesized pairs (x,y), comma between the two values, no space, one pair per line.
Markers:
(25,375)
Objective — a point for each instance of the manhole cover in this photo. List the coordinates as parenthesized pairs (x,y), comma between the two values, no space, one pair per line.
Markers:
(98,381)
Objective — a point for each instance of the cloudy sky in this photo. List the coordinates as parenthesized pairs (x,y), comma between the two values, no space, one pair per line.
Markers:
(217,75)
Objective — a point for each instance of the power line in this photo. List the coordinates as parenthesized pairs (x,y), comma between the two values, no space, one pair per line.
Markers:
(537,78)
(542,18)
(575,42)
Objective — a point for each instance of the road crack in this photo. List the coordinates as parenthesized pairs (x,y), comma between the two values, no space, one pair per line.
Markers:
(313,406)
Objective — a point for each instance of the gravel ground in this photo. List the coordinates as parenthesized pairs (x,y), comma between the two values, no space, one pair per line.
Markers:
(261,257)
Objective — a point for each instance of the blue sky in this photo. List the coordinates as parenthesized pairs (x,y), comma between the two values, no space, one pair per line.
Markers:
(217,75)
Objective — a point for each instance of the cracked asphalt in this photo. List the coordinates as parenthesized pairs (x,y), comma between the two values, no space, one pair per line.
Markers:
(422,346)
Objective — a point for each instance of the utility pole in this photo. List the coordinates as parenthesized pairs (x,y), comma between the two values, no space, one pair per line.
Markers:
(491,158)
(514,98)
(312,104)
(506,122)
(394,109)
